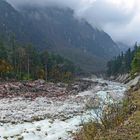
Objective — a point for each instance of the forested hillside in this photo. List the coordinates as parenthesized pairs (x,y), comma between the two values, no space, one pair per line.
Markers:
(60,32)
(24,62)
(128,62)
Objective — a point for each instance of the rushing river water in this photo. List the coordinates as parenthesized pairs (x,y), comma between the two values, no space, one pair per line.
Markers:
(64,115)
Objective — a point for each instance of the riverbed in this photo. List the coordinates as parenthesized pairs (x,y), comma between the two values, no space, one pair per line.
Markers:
(54,118)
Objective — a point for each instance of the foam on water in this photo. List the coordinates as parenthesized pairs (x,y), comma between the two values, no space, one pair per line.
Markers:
(55,128)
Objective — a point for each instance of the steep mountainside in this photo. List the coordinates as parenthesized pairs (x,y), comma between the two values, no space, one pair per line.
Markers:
(59,31)
(123,47)
(13,23)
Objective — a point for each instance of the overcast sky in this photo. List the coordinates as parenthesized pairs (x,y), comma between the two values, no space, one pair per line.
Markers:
(119,18)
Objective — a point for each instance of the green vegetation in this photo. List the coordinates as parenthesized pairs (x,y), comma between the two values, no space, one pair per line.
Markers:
(125,63)
(24,62)
(136,62)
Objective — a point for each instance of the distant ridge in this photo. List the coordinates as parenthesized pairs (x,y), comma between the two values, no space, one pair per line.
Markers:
(57,30)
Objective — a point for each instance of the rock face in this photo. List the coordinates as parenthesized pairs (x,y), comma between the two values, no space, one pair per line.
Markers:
(122,78)
(131,83)
(134,84)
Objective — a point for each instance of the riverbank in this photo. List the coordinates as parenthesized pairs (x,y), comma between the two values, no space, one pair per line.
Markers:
(130,128)
(51,111)
(126,119)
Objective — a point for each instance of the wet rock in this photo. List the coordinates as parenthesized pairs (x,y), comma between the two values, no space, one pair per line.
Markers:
(93,103)
(36,118)
(51,121)
(20,138)
(46,134)
(104,84)
(5,137)
(38,128)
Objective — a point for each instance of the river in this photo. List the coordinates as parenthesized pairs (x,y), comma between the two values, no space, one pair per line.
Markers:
(64,115)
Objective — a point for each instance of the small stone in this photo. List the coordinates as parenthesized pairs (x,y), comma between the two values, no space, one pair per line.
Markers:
(5,137)
(46,133)
(20,138)
(38,129)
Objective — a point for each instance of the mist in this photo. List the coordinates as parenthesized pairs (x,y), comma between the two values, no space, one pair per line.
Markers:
(119,18)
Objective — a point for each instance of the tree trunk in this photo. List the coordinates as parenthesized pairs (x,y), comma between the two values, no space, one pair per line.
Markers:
(28,65)
(46,72)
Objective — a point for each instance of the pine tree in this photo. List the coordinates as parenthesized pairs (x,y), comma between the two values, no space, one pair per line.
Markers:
(136,63)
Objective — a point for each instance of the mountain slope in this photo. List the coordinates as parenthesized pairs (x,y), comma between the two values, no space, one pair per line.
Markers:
(57,30)
(123,47)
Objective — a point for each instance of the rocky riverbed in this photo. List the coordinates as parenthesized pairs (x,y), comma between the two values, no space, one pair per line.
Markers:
(47,111)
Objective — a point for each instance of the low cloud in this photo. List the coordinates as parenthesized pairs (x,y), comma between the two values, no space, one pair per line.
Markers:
(119,18)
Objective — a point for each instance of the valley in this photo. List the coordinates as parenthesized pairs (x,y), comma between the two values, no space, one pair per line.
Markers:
(69,70)
(54,116)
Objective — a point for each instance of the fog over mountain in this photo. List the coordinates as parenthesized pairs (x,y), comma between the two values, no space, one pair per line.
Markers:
(58,31)
(119,18)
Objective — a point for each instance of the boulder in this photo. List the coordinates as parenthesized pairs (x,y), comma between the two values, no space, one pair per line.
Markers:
(93,103)
(134,83)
